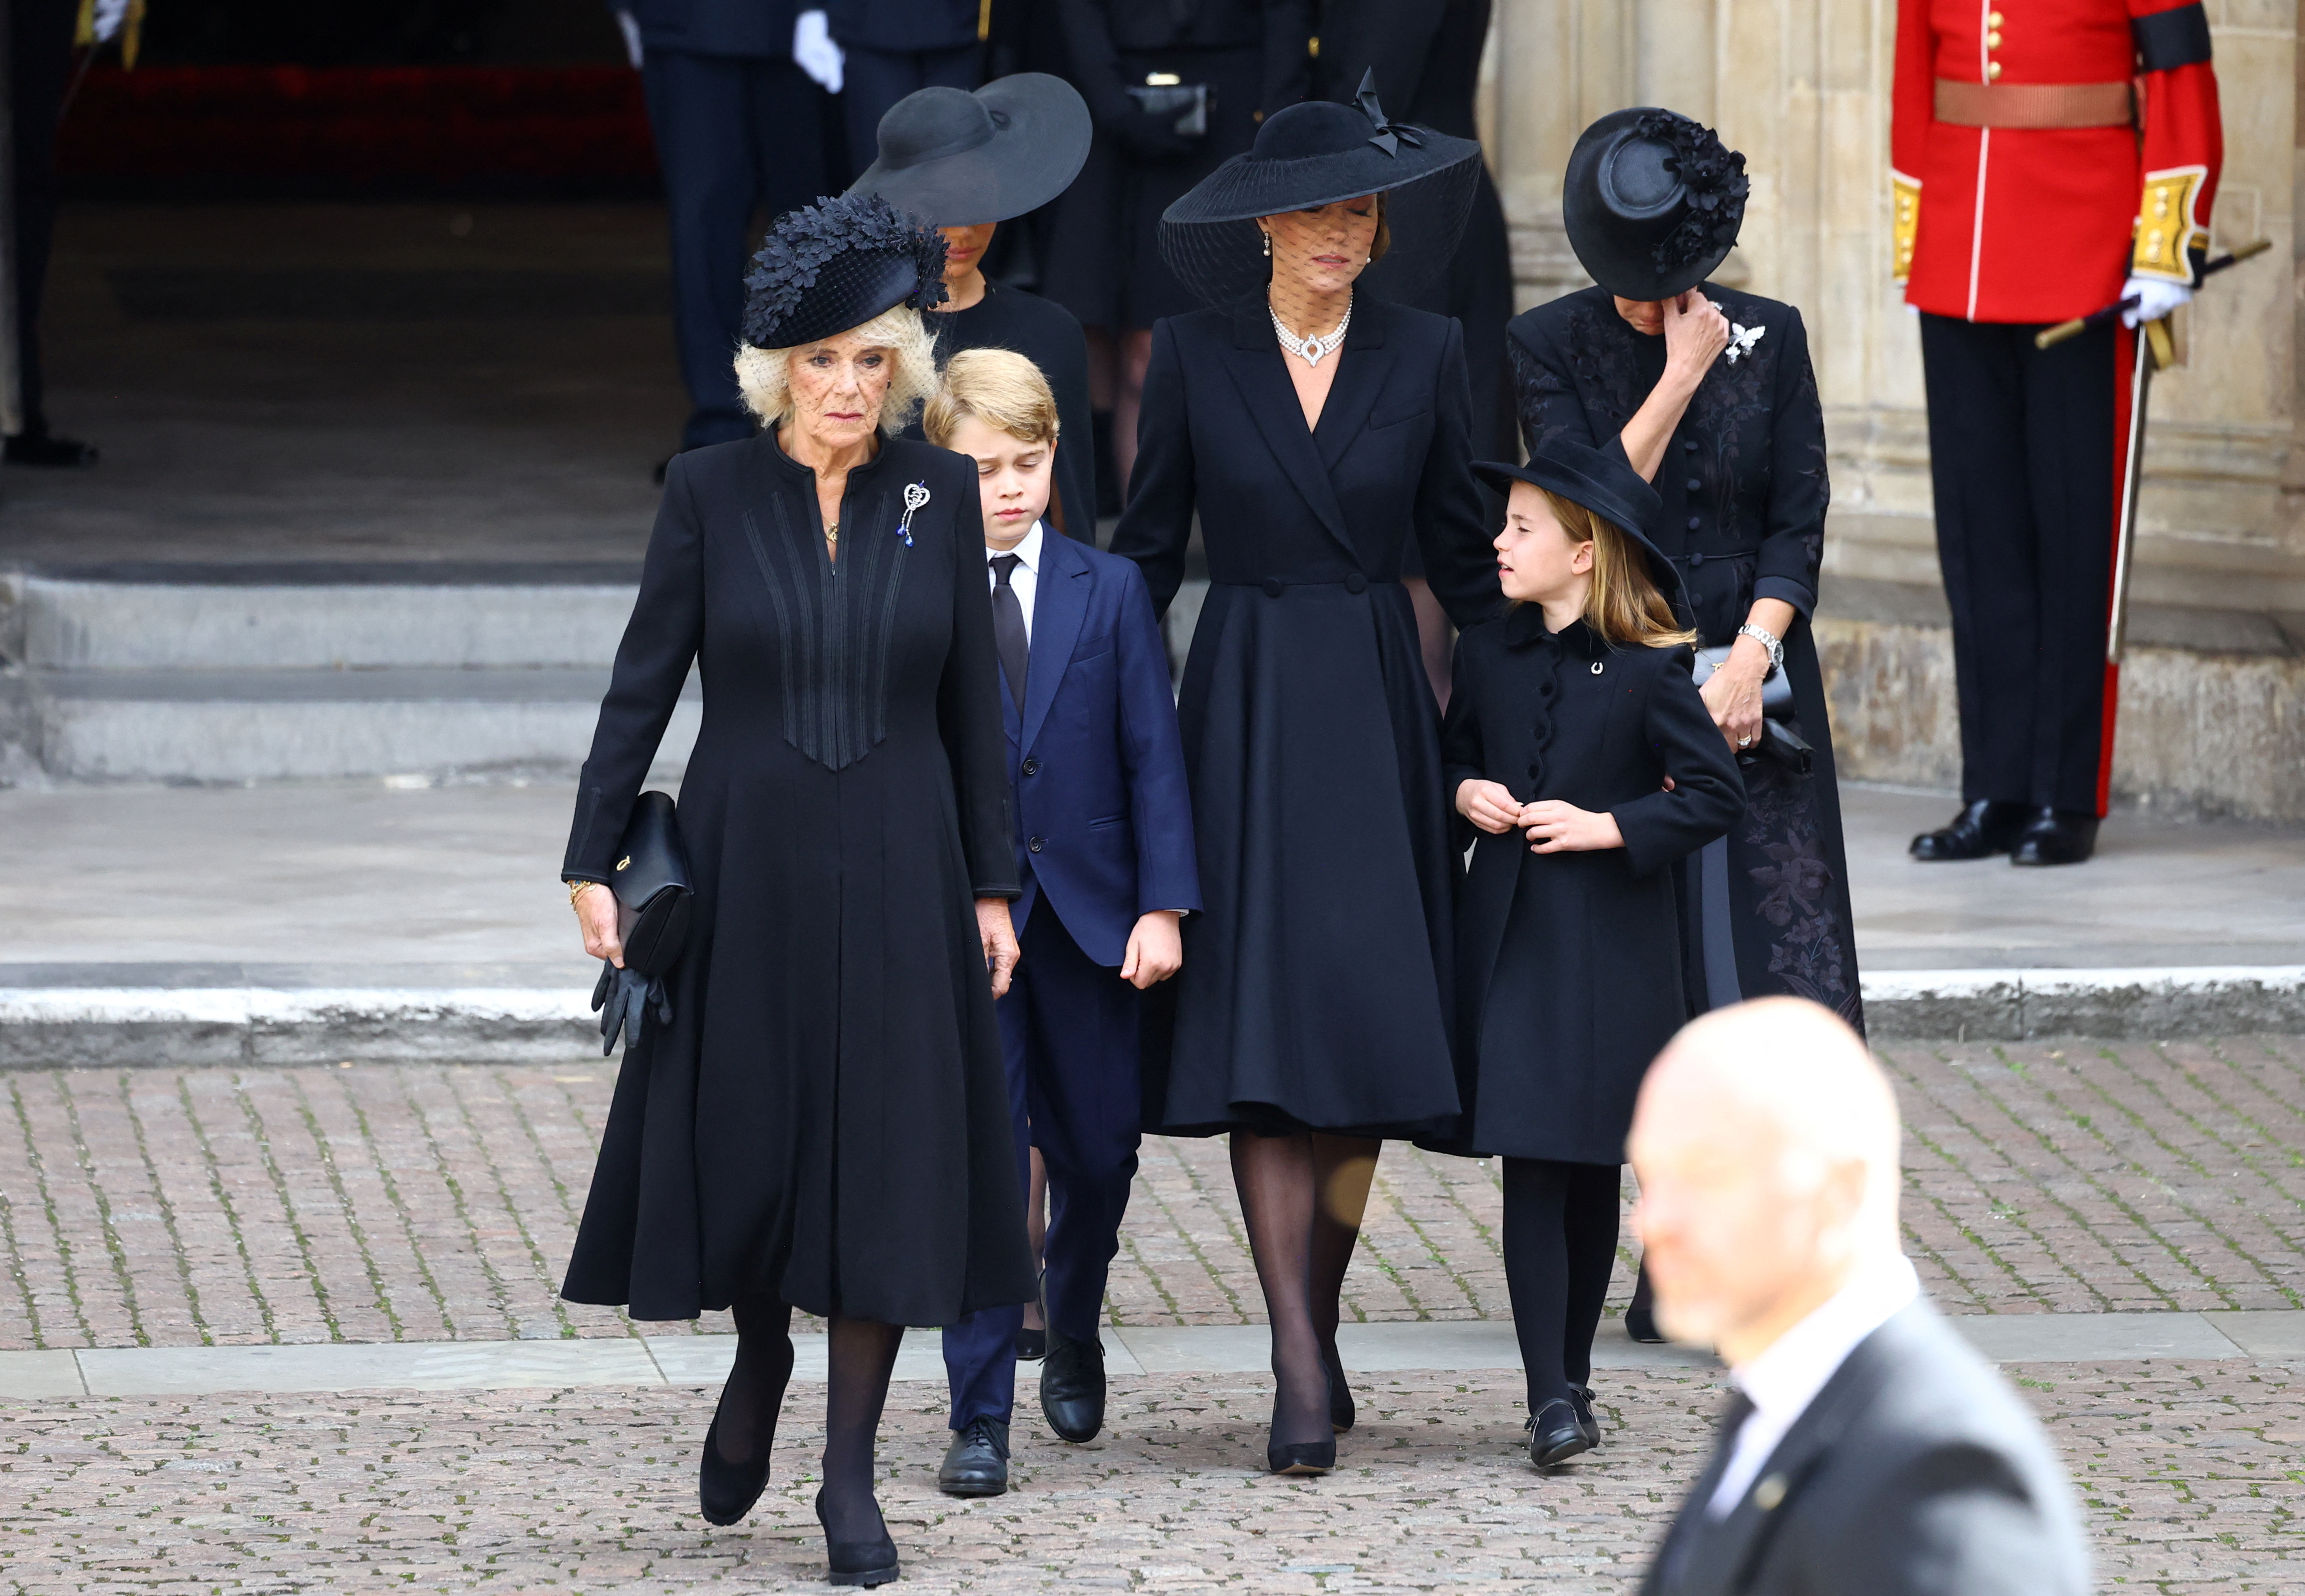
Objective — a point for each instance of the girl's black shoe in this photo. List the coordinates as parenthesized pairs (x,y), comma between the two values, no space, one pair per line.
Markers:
(1341,1399)
(1581,1397)
(1303,1457)
(1554,1436)
(725,1491)
(1640,1324)
(859,1562)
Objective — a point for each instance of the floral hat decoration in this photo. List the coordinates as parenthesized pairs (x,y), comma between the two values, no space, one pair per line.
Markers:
(1652,201)
(836,265)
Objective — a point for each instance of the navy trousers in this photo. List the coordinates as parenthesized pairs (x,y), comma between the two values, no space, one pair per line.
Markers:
(1068,1035)
(872,81)
(734,134)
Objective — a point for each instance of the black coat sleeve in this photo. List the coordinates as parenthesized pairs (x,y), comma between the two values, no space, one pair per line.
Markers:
(1463,756)
(1708,793)
(1157,525)
(968,713)
(1544,396)
(1287,53)
(1096,61)
(1792,541)
(659,643)
(1452,528)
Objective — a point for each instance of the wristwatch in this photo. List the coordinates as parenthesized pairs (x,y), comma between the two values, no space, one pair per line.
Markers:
(1769,640)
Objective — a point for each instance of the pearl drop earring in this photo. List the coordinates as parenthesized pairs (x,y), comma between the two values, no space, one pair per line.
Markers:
(1268,243)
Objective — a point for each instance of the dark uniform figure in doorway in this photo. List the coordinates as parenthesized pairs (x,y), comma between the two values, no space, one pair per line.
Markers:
(739,131)
(895,47)
(2026,194)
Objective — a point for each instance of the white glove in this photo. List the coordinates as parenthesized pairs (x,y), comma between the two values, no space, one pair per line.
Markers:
(2156,298)
(814,53)
(632,31)
(105,19)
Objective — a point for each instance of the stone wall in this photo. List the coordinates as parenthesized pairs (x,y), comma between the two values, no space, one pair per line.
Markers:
(2209,708)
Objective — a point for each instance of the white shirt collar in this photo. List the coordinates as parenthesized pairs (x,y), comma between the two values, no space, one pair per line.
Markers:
(1783,1380)
(1027,552)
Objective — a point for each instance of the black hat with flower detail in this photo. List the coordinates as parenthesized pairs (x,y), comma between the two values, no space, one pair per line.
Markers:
(1652,202)
(836,265)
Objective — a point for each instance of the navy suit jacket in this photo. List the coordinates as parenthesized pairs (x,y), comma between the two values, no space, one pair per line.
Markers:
(1104,818)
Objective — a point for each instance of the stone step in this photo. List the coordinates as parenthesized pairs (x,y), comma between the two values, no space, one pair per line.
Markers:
(67,625)
(254,725)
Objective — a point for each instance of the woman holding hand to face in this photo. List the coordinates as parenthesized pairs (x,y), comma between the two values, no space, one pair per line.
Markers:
(1313,429)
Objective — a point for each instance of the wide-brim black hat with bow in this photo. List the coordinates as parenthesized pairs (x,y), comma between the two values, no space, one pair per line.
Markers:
(957,159)
(836,265)
(1317,153)
(1604,484)
(1652,202)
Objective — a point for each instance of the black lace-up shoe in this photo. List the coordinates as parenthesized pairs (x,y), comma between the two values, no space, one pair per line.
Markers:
(1072,1387)
(976,1464)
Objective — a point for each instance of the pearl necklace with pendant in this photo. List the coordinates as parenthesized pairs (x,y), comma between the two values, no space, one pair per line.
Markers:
(1312,350)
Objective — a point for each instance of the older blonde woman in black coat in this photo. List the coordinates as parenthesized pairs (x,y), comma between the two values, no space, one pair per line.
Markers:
(823,1124)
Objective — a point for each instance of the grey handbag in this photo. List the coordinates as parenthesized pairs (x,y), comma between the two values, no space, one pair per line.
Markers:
(1188,102)
(1779,741)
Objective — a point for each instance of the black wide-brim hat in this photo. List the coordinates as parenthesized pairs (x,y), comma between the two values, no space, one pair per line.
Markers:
(836,265)
(1604,484)
(1652,202)
(957,159)
(1317,153)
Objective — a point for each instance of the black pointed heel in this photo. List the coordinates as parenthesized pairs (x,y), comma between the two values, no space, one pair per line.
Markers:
(1340,1397)
(858,1562)
(725,1491)
(1303,1457)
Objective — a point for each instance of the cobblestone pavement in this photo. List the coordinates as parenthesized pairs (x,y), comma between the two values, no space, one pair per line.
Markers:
(183,1208)
(2190,1472)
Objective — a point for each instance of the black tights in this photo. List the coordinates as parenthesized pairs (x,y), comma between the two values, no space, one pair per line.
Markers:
(862,1354)
(1560,1243)
(1302,1197)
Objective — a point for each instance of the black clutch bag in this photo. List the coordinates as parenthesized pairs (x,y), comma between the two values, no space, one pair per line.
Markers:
(1186,103)
(1779,741)
(654,893)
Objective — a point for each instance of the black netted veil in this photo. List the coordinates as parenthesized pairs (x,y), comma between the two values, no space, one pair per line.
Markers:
(1225,259)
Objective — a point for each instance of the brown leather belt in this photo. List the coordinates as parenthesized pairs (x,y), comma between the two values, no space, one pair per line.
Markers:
(2035,105)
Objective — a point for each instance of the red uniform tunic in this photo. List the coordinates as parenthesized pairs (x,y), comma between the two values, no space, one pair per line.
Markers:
(2036,224)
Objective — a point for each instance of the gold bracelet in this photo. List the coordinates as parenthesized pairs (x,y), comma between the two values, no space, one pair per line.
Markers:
(575,887)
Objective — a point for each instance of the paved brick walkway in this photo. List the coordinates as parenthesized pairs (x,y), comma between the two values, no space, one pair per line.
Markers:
(2189,1472)
(180,1208)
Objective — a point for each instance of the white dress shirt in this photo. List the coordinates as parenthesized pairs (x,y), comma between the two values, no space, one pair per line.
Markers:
(1024,581)
(1783,1381)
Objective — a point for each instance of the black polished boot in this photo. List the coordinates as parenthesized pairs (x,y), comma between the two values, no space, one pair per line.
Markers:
(976,1464)
(2055,837)
(1554,1435)
(1072,1387)
(1982,829)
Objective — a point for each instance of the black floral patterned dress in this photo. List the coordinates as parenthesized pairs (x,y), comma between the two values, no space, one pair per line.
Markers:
(1743,481)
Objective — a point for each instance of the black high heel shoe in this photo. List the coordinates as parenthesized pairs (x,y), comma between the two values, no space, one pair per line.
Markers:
(725,1491)
(1301,1457)
(1340,1397)
(858,1562)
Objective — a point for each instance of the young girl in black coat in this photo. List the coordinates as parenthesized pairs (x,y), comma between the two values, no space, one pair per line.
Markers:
(1577,745)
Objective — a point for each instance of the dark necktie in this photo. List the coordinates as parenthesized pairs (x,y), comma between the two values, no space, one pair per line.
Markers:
(1008,626)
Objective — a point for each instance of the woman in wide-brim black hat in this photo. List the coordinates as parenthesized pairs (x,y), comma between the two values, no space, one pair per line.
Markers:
(965,164)
(1313,428)
(822,1120)
(1709,393)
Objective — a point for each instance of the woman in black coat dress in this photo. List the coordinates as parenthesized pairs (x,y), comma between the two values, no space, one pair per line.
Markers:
(1709,392)
(1578,746)
(1312,1014)
(823,1122)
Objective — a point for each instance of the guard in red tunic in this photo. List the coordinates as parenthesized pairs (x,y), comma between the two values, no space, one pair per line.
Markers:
(2050,156)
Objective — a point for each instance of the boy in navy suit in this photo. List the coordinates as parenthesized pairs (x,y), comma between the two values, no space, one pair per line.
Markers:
(1104,846)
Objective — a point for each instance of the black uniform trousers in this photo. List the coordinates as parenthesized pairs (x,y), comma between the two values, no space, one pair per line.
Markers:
(2025,448)
(1068,1032)
(734,133)
(872,81)
(40,64)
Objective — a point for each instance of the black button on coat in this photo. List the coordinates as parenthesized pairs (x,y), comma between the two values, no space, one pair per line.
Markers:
(1753,440)
(1569,965)
(1315,980)
(826,1119)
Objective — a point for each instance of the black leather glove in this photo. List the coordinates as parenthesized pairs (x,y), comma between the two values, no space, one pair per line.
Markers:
(623,998)
(1147,136)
